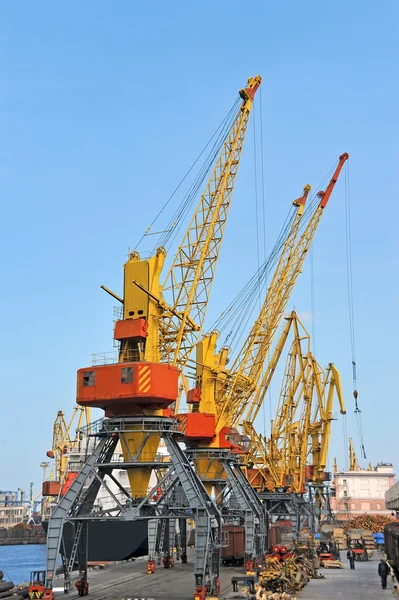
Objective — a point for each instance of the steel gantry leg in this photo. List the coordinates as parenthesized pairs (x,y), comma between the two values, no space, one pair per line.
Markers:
(251,508)
(60,512)
(207,521)
(82,585)
(245,508)
(152,541)
(168,560)
(259,510)
(203,549)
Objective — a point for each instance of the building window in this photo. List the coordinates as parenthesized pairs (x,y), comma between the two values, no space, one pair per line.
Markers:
(89,378)
(344,481)
(126,374)
(378,506)
(353,505)
(345,493)
(346,506)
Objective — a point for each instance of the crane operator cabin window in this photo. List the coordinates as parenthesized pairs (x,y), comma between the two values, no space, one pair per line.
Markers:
(89,378)
(126,374)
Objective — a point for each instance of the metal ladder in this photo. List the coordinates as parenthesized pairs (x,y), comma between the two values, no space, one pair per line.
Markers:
(162,540)
(71,562)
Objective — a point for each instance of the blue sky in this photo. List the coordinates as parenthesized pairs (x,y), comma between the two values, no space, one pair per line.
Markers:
(104,106)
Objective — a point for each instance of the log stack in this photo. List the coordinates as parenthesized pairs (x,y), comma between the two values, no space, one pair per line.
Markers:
(374,523)
(282,580)
(9,590)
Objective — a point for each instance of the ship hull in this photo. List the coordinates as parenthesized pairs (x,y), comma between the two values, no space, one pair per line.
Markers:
(110,540)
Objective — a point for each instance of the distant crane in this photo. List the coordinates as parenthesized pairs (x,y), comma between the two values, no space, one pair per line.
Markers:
(63,442)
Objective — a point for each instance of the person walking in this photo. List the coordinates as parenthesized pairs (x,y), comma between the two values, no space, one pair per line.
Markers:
(383,572)
(350,555)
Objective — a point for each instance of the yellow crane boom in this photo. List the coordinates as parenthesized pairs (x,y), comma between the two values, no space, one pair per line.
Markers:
(212,377)
(235,403)
(247,367)
(189,279)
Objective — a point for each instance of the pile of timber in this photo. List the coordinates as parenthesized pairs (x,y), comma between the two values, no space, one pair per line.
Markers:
(374,523)
(279,580)
(9,590)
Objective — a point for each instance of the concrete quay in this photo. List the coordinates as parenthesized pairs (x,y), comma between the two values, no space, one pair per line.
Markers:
(131,581)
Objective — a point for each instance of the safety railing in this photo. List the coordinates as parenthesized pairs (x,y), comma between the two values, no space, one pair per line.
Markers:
(105,358)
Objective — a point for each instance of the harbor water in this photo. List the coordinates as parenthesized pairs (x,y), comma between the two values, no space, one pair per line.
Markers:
(17,562)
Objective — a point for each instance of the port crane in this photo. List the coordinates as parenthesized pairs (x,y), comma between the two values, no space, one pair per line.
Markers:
(159,326)
(353,460)
(302,426)
(328,385)
(223,399)
(276,460)
(279,465)
(63,443)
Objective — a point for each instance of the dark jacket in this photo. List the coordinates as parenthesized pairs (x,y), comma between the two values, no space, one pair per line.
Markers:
(350,554)
(383,570)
